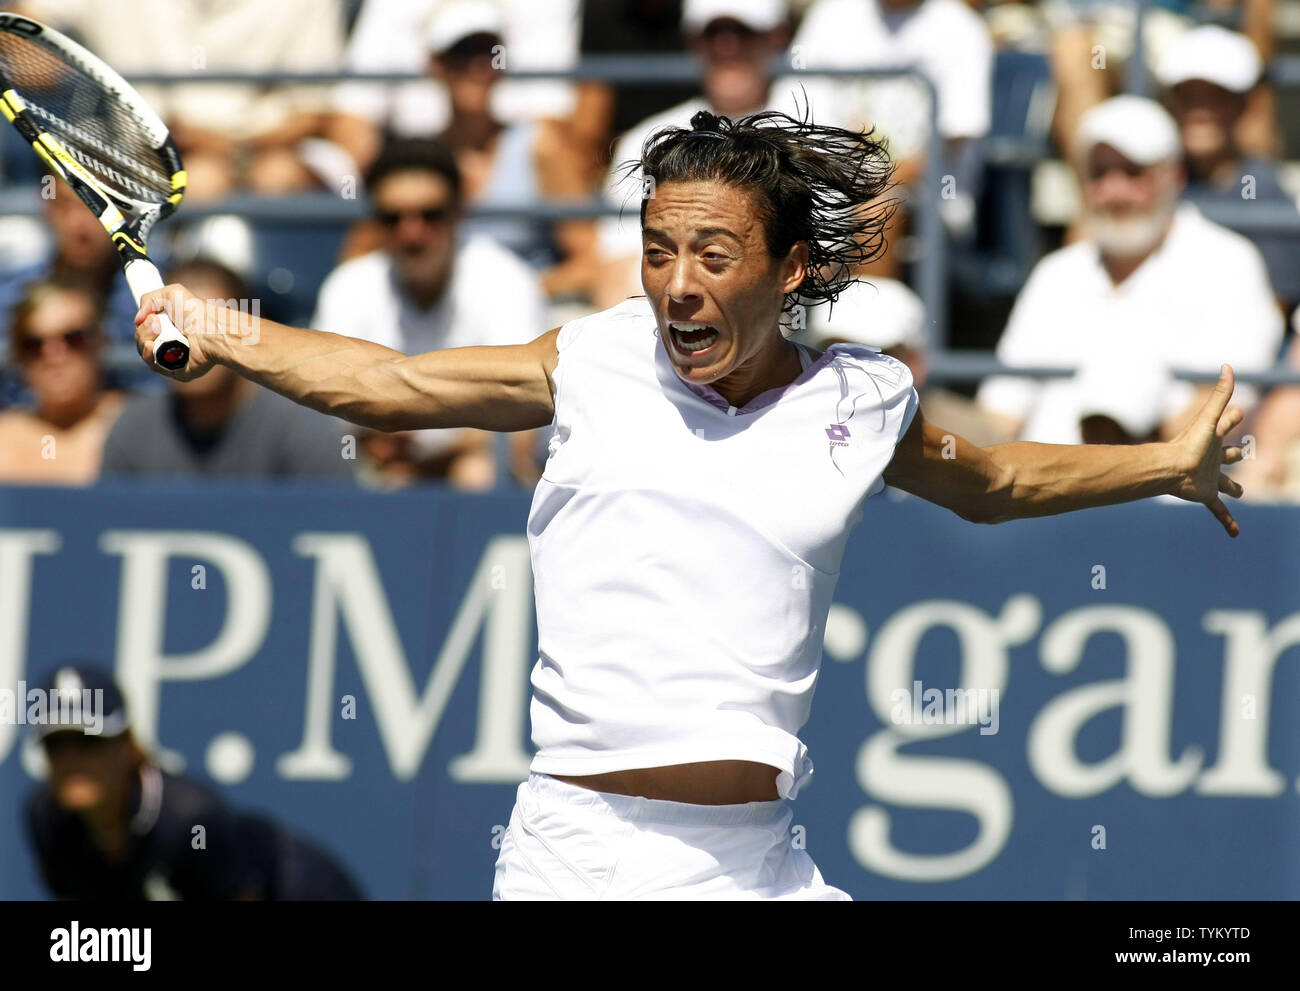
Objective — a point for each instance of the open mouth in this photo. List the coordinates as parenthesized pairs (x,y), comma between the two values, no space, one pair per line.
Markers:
(692,338)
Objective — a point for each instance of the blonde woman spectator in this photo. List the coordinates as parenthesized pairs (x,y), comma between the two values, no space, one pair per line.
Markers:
(55,342)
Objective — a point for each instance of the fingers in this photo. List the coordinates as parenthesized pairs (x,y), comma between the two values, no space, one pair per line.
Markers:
(1221,513)
(146,334)
(150,303)
(1230,486)
(1231,455)
(144,338)
(1230,419)
(1218,400)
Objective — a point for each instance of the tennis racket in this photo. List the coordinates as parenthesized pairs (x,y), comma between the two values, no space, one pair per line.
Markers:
(97,135)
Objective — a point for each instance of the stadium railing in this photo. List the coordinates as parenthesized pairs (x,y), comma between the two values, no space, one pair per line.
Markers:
(327,208)
(932,262)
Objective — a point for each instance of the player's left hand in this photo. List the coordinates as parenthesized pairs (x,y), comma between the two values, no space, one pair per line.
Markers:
(1200,453)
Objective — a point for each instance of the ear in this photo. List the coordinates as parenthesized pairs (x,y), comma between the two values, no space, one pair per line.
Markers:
(794,267)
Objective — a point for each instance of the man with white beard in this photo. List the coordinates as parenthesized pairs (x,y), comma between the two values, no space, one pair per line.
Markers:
(1154,286)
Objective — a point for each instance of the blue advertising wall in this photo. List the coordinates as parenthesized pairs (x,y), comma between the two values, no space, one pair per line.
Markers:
(356,664)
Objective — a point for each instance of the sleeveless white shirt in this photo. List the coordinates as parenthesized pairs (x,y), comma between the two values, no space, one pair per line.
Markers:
(685,552)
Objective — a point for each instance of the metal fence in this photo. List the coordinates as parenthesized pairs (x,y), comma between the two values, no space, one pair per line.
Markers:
(932,264)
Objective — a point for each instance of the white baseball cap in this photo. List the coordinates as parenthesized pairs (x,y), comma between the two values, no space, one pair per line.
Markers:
(1139,129)
(1214,54)
(458,19)
(759,15)
(882,313)
(1133,392)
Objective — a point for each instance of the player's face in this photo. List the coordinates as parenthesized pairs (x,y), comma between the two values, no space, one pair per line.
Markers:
(417,214)
(86,771)
(716,292)
(60,351)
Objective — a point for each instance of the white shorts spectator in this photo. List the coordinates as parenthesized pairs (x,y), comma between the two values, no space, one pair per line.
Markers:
(568,842)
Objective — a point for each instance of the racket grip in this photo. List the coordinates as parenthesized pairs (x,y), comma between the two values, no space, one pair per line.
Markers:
(170,349)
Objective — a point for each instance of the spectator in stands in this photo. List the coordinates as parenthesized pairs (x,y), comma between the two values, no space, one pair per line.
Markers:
(1092,46)
(502,164)
(951,45)
(79,252)
(887,315)
(110,825)
(221,424)
(1208,74)
(429,288)
(736,41)
(391,36)
(55,341)
(1154,286)
(231,135)
(606,110)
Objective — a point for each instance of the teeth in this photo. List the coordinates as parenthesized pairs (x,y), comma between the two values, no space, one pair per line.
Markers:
(691,327)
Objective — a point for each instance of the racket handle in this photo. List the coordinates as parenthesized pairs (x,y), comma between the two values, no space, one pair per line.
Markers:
(170,349)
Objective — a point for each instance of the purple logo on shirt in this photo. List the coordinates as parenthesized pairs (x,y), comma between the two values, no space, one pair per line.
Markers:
(837,431)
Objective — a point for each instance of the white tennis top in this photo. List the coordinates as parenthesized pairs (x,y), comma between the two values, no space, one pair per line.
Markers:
(685,551)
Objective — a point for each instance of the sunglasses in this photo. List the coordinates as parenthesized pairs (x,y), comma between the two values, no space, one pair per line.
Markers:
(78,339)
(433,215)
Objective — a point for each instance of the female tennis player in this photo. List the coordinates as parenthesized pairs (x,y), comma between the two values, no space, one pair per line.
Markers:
(703,478)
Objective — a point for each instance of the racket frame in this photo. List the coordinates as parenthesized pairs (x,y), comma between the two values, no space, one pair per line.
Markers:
(126,221)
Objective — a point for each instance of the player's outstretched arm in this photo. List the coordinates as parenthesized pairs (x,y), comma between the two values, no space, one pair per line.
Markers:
(1022,479)
(491,388)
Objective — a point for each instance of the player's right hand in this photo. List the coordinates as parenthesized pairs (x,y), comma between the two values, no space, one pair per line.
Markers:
(189,313)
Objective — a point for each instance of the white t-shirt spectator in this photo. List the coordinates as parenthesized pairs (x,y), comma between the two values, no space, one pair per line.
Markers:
(1201,299)
(494,298)
(944,39)
(389,36)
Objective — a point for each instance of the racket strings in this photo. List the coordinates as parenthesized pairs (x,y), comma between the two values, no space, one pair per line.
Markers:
(98,129)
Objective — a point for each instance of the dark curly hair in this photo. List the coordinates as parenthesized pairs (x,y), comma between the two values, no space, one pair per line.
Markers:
(811,182)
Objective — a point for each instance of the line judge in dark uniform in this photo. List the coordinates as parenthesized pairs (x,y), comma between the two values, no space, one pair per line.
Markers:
(110,825)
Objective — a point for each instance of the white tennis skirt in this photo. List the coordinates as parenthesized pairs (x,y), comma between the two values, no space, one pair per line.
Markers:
(568,842)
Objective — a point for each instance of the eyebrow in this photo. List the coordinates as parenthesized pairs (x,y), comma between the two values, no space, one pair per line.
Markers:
(704,232)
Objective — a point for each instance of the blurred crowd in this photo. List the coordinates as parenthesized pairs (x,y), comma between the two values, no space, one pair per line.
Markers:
(1130,277)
